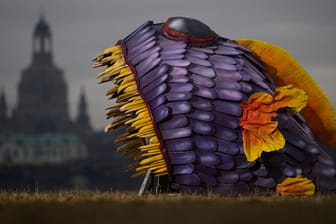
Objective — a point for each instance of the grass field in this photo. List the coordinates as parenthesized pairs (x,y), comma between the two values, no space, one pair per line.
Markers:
(127,207)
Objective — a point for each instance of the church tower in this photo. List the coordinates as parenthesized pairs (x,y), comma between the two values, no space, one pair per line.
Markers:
(3,112)
(83,120)
(42,91)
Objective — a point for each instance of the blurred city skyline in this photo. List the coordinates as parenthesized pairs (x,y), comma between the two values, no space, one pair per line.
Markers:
(82,28)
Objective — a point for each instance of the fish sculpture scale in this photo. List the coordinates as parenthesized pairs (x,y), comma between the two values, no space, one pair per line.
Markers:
(212,114)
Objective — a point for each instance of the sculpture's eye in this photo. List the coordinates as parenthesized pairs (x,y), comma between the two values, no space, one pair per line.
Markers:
(189,29)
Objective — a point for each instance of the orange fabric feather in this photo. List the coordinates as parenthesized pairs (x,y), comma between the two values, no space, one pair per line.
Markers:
(260,132)
(283,68)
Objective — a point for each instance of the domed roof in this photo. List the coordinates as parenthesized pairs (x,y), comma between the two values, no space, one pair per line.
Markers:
(42,27)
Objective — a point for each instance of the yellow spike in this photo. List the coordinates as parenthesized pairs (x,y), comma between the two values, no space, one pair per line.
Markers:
(156,168)
(131,105)
(140,123)
(284,69)
(112,91)
(149,147)
(111,50)
(145,129)
(153,140)
(125,96)
(112,58)
(124,72)
(134,144)
(151,159)
(125,86)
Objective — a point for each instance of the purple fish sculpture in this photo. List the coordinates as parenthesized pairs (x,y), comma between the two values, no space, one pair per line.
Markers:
(210,114)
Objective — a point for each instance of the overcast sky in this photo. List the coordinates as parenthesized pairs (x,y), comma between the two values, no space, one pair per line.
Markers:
(82,28)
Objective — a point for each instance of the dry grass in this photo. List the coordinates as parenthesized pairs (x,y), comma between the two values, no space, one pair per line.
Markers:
(127,207)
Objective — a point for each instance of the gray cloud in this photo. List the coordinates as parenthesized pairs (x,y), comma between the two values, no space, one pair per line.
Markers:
(81,28)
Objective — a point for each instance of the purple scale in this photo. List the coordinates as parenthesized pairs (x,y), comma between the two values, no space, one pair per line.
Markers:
(177,96)
(139,58)
(173,51)
(157,91)
(144,67)
(224,75)
(172,57)
(226,120)
(179,145)
(177,63)
(289,171)
(198,61)
(188,179)
(142,27)
(226,162)
(227,147)
(178,71)
(201,104)
(202,70)
(180,87)
(181,158)
(253,60)
(207,169)
(293,139)
(152,75)
(245,87)
(174,122)
(176,133)
(156,82)
(197,54)
(202,81)
(228,177)
(228,108)
(172,45)
(148,44)
(261,171)
(207,179)
(208,158)
(179,107)
(324,170)
(201,127)
(229,84)
(158,101)
(201,115)
(237,46)
(229,94)
(183,169)
(244,175)
(202,49)
(227,51)
(208,93)
(223,59)
(178,79)
(265,182)
(223,65)
(140,37)
(242,163)
(326,159)
(225,133)
(205,143)
(161,113)
(139,31)
(294,152)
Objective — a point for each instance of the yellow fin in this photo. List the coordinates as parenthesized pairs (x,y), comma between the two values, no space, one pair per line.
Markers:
(284,69)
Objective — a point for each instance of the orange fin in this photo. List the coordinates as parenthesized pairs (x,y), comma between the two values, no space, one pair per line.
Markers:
(260,132)
(296,186)
(285,70)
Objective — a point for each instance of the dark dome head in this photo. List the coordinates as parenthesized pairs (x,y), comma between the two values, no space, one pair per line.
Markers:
(42,27)
(188,28)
